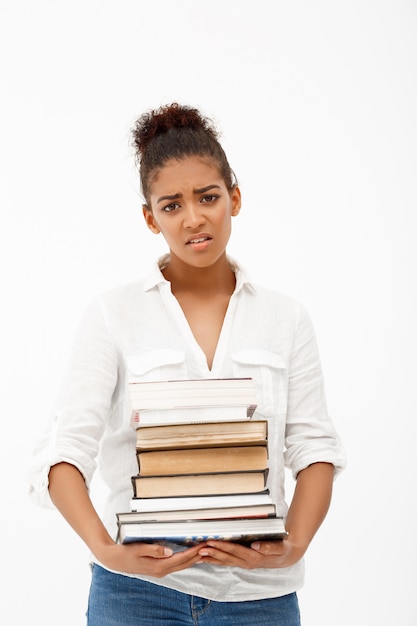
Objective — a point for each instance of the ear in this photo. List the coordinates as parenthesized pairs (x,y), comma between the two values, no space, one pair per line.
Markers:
(236,199)
(150,220)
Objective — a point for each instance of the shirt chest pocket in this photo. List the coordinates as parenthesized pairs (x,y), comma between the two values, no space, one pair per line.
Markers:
(269,372)
(161,364)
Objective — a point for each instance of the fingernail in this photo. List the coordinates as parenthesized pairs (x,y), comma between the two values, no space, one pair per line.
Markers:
(256,545)
(168,552)
(203,553)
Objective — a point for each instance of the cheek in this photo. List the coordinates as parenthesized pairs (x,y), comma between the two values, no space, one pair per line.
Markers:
(165,229)
(225,221)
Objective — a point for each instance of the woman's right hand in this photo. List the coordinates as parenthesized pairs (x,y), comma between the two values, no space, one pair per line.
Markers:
(148,559)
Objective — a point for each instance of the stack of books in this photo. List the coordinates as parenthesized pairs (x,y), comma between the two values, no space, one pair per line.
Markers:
(202,464)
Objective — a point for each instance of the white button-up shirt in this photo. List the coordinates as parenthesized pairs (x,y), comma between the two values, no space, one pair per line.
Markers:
(139,332)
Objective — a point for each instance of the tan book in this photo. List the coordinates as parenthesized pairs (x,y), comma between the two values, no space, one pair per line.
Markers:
(185,461)
(205,434)
(198,484)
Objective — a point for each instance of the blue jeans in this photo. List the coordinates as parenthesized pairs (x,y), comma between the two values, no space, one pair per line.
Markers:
(117,600)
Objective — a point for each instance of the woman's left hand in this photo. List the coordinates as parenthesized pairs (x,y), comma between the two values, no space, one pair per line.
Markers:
(259,554)
(308,508)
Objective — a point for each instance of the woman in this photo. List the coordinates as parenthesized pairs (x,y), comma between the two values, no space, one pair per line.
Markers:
(196,315)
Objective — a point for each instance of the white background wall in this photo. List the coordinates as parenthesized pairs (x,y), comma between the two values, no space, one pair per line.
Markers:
(317,104)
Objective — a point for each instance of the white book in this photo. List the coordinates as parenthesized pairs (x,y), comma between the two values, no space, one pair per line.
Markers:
(194,388)
(199,502)
(191,415)
(192,392)
(192,401)
(230,512)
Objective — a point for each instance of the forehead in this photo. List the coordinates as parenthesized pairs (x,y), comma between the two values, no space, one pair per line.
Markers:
(191,170)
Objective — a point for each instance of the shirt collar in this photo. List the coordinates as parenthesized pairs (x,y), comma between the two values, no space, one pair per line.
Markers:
(155,277)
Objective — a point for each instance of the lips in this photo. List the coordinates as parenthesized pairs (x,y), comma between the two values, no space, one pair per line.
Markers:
(198,239)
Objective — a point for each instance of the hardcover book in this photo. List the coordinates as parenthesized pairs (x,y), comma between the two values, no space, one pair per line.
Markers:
(191,532)
(217,501)
(199,484)
(185,461)
(202,434)
(230,512)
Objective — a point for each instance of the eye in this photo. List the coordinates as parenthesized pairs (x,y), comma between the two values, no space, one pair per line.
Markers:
(209,199)
(170,207)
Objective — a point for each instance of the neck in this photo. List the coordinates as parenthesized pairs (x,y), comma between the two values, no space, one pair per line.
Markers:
(215,279)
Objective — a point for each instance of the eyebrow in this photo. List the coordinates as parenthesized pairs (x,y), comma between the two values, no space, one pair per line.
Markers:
(199,191)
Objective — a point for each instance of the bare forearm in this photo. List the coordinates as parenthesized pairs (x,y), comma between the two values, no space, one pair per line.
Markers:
(310,503)
(69,494)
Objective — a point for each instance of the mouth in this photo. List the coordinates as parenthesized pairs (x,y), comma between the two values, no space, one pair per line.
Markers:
(198,240)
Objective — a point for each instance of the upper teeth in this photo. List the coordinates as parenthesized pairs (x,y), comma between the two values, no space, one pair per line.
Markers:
(198,240)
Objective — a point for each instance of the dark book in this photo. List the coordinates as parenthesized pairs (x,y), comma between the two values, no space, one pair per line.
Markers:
(192,532)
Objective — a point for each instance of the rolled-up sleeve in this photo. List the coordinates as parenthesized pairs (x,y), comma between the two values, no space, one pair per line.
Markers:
(82,408)
(310,436)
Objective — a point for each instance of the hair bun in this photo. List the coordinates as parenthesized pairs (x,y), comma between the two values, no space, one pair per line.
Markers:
(160,121)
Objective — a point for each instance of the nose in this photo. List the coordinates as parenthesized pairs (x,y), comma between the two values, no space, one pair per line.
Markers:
(193,216)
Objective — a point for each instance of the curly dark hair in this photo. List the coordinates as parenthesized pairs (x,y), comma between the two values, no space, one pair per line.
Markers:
(175,131)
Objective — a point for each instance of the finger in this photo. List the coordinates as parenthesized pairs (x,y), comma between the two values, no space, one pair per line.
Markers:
(225,553)
(168,566)
(228,547)
(180,560)
(269,548)
(185,555)
(160,551)
(153,550)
